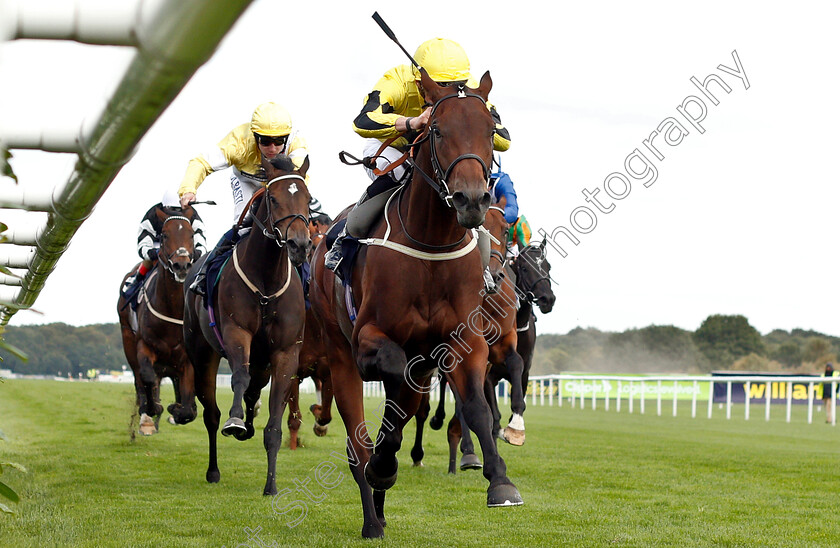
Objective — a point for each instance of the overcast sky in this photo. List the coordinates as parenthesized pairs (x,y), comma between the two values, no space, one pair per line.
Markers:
(740,219)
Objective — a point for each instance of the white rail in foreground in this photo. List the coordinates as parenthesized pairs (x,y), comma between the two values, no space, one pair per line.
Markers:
(635,393)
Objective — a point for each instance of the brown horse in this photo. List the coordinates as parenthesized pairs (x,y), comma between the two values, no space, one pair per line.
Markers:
(153,339)
(418,308)
(258,311)
(313,363)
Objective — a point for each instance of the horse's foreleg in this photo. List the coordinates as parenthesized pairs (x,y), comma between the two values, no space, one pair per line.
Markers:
(420,418)
(515,430)
(490,383)
(436,422)
(294,420)
(184,410)
(469,460)
(284,366)
(325,416)
(376,351)
(145,361)
(238,342)
(348,389)
(252,395)
(205,389)
(468,381)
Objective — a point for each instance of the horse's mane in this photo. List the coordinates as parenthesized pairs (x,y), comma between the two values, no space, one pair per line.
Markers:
(283,162)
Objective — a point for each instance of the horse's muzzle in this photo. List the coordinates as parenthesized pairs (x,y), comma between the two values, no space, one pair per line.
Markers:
(298,249)
(471,207)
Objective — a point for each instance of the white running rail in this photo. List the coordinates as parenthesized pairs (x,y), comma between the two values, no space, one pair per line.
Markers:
(172,39)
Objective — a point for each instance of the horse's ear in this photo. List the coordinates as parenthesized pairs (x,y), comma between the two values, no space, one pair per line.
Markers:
(303,169)
(542,244)
(485,86)
(433,90)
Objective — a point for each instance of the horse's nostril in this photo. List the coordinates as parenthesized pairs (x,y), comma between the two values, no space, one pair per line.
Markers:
(486,200)
(459,200)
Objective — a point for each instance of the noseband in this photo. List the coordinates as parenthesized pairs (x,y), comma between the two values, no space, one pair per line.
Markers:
(441,176)
(275,233)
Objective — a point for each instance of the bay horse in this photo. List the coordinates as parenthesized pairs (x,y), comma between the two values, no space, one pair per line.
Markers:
(417,309)
(313,364)
(153,339)
(255,317)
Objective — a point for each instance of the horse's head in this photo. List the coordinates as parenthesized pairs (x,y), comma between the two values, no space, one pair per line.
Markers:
(286,206)
(533,276)
(496,225)
(177,248)
(460,132)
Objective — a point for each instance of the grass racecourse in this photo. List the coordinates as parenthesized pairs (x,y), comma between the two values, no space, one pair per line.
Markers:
(588,478)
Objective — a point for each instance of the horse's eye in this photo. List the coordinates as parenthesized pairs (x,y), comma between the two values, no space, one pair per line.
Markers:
(437,131)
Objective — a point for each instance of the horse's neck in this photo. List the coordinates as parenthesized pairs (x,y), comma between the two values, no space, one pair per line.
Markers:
(429,215)
(267,264)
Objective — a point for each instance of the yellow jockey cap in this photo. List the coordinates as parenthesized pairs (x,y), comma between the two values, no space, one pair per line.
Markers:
(271,120)
(444,60)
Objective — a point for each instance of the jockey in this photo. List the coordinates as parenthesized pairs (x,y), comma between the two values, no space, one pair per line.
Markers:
(397,107)
(269,134)
(148,241)
(519,236)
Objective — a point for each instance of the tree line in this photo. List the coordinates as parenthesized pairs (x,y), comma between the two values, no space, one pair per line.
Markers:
(720,343)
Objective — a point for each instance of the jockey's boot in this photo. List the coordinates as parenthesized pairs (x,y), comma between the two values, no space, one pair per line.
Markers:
(332,258)
(489,285)
(229,239)
(132,286)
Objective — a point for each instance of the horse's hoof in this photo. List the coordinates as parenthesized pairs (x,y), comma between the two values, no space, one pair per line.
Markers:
(147,425)
(213,476)
(270,491)
(319,430)
(380,484)
(373,530)
(257,407)
(235,427)
(436,423)
(315,409)
(504,494)
(500,433)
(469,461)
(171,420)
(419,464)
(514,436)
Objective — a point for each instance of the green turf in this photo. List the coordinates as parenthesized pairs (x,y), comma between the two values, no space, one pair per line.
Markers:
(588,478)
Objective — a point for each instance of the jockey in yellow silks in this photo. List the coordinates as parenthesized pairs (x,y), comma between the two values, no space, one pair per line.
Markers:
(396,107)
(269,133)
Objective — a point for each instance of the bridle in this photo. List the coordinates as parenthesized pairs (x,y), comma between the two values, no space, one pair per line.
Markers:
(275,233)
(180,252)
(432,134)
(528,289)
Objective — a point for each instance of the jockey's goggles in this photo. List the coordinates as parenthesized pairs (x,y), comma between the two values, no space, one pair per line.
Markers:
(265,140)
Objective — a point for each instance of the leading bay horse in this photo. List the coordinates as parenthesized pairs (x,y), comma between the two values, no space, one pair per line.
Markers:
(153,338)
(256,316)
(417,285)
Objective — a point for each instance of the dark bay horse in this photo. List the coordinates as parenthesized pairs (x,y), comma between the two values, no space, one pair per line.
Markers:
(258,311)
(417,285)
(153,339)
